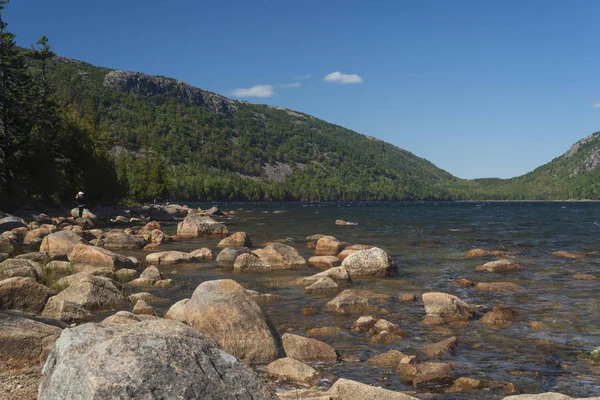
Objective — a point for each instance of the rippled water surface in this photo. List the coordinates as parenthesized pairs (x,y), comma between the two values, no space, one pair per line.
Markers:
(428,241)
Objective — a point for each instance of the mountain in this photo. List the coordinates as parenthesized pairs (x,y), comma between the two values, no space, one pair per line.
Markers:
(573,175)
(171,139)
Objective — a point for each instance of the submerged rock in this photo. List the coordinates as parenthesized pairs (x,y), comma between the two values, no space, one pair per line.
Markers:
(307,349)
(293,370)
(350,302)
(500,266)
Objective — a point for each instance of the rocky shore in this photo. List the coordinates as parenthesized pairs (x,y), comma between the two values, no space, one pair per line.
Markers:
(77,318)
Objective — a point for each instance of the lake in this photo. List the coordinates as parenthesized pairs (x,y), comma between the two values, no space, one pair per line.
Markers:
(428,241)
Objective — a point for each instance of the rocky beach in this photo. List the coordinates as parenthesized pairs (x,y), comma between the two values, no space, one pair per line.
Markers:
(299,302)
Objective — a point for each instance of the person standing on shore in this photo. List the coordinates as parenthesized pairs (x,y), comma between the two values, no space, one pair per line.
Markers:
(80,203)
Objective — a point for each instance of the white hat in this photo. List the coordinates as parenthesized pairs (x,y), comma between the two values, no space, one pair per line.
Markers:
(80,193)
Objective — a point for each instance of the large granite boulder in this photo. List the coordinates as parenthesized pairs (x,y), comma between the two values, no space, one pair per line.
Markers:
(227,313)
(35,235)
(306,349)
(281,256)
(9,245)
(60,243)
(350,302)
(237,239)
(123,241)
(338,274)
(328,245)
(226,258)
(19,267)
(85,257)
(10,222)
(27,336)
(371,262)
(447,306)
(153,359)
(23,294)
(66,311)
(345,389)
(94,293)
(195,225)
(168,257)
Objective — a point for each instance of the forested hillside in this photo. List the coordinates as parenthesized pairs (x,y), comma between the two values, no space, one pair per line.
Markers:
(122,136)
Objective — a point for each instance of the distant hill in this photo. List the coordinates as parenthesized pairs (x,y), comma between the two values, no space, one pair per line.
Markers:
(573,175)
(173,140)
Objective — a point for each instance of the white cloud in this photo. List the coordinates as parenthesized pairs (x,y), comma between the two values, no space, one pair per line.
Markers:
(307,76)
(338,77)
(596,105)
(255,91)
(289,85)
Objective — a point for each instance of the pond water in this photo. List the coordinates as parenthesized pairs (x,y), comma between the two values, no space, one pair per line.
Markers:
(428,241)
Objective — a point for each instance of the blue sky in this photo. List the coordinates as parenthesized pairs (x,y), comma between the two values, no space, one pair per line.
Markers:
(479,88)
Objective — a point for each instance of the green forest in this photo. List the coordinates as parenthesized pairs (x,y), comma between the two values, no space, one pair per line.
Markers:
(122,137)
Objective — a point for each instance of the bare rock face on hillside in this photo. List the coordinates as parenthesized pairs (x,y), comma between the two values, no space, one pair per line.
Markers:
(145,85)
(149,359)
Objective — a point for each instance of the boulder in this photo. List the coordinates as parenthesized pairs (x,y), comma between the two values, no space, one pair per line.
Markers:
(18,267)
(500,287)
(10,222)
(437,349)
(447,306)
(87,214)
(41,257)
(123,241)
(202,254)
(26,336)
(307,349)
(338,274)
(71,279)
(238,239)
(249,262)
(281,256)
(125,274)
(9,245)
(177,311)
(324,262)
(345,389)
(56,267)
(195,225)
(142,308)
(168,257)
(565,254)
(93,293)
(384,325)
(500,317)
(476,253)
(225,312)
(127,361)
(60,243)
(122,317)
(35,235)
(390,359)
(157,237)
(84,257)
(226,258)
(328,245)
(23,294)
(364,324)
(500,266)
(324,285)
(371,262)
(426,372)
(349,302)
(293,370)
(149,227)
(324,332)
(66,311)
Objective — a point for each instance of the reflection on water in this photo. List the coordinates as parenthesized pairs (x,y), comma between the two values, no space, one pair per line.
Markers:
(428,241)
